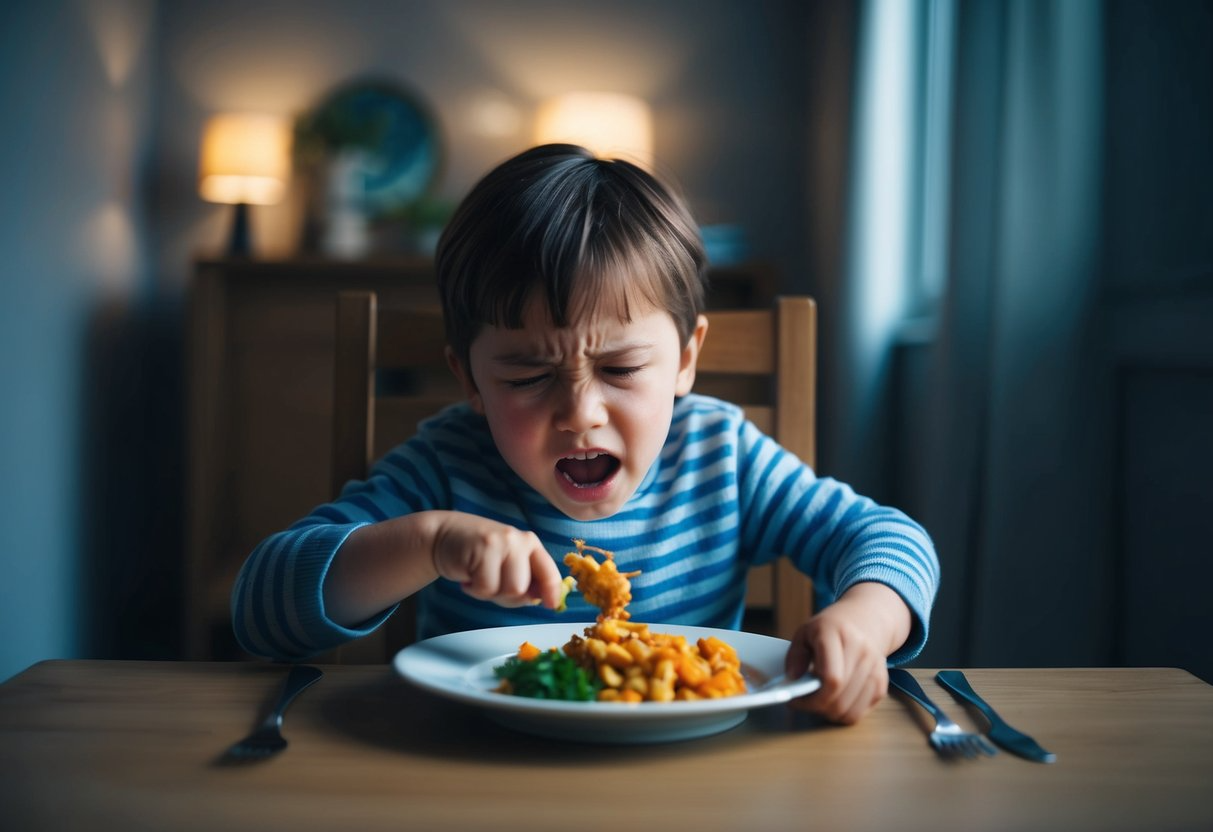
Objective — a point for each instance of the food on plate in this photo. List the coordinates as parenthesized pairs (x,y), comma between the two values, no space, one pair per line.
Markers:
(620,660)
(546,674)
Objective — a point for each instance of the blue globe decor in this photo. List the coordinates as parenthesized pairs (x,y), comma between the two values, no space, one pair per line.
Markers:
(397,149)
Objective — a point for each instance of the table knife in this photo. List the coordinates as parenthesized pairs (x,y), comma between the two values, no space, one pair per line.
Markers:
(1000,732)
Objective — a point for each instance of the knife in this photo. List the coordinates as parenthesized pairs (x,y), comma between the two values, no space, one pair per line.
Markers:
(1012,740)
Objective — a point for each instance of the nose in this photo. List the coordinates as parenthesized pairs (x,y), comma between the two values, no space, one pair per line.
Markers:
(581,408)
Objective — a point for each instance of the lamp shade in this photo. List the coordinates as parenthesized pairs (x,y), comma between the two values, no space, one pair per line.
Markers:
(607,124)
(245,158)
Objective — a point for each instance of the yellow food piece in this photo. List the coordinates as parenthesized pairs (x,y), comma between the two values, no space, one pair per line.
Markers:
(566,586)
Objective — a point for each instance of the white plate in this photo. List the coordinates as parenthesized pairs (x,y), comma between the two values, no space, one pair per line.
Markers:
(460,666)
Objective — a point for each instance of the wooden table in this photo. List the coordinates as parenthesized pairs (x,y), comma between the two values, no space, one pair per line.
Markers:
(136,745)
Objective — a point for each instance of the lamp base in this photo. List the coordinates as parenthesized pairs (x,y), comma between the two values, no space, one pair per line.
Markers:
(240,242)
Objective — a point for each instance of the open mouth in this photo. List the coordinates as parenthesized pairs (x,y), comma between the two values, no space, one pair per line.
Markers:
(588,469)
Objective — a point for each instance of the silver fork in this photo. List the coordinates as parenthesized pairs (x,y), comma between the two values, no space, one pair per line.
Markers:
(948,738)
(266,739)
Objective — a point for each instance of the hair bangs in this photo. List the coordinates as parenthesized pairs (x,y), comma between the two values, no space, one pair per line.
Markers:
(581,235)
(614,283)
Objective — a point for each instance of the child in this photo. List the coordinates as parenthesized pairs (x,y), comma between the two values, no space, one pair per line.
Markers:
(572,289)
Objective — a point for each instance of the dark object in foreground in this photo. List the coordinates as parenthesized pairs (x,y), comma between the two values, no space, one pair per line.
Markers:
(266,739)
(1004,735)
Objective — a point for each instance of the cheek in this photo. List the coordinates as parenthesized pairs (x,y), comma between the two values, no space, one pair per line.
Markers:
(512,423)
(646,412)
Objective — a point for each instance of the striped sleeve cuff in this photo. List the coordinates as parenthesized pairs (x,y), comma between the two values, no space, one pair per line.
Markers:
(914,580)
(278,600)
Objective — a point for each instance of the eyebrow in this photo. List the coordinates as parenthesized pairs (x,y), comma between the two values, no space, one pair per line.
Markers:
(520,358)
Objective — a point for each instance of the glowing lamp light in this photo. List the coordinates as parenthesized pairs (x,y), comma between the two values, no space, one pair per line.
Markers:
(607,124)
(245,160)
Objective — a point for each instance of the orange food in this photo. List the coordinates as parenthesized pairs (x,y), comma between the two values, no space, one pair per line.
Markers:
(633,663)
(602,584)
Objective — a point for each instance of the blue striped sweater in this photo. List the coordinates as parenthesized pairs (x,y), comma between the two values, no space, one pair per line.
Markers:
(722,496)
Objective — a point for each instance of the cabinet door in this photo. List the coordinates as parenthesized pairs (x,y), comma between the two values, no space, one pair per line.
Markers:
(261,373)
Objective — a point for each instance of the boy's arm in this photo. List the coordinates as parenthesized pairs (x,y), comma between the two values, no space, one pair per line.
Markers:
(380,564)
(277,606)
(315,587)
(837,537)
(846,646)
(874,567)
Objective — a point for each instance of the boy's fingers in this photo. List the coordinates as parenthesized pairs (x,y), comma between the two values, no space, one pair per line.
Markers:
(545,578)
(799,656)
(866,695)
(515,578)
(826,664)
(484,578)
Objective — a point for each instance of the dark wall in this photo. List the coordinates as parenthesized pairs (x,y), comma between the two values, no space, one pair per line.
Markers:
(1157,269)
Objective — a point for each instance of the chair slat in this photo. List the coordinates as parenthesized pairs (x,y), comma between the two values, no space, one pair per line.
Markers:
(396,418)
(353,387)
(731,345)
(412,337)
(762,417)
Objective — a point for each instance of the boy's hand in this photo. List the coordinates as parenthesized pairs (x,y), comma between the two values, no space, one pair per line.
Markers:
(496,562)
(846,646)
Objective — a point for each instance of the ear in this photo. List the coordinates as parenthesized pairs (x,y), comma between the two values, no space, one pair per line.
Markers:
(690,357)
(464,375)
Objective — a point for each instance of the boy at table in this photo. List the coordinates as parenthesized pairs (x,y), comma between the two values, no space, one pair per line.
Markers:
(573,291)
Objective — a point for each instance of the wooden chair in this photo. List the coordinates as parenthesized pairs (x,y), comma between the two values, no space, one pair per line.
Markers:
(766,361)
(391,372)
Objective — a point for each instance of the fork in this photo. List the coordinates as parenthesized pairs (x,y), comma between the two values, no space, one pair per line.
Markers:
(947,738)
(266,739)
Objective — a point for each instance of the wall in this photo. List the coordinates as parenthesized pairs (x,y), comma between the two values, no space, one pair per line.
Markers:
(74,87)
(726,82)
(1157,325)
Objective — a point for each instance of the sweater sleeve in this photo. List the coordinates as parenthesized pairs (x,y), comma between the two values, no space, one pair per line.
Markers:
(833,535)
(278,599)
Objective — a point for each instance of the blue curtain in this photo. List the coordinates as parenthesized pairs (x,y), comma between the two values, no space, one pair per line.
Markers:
(1010,496)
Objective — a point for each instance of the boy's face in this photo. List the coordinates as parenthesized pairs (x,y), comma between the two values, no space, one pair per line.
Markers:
(580,413)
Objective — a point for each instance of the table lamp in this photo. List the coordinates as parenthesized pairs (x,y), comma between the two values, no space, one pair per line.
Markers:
(245,160)
(605,123)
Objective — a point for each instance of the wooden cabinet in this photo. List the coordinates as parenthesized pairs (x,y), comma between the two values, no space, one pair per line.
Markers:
(260,377)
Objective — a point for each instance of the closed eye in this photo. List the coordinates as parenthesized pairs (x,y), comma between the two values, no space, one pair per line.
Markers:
(523,383)
(622,372)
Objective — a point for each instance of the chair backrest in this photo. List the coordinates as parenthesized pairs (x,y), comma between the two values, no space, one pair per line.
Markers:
(765,360)
(391,372)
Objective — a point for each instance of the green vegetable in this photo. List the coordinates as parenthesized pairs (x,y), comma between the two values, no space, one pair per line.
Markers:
(551,675)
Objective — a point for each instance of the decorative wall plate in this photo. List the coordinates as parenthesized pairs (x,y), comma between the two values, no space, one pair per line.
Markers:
(388,133)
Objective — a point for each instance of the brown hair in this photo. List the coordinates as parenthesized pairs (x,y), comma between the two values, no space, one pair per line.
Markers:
(581,233)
